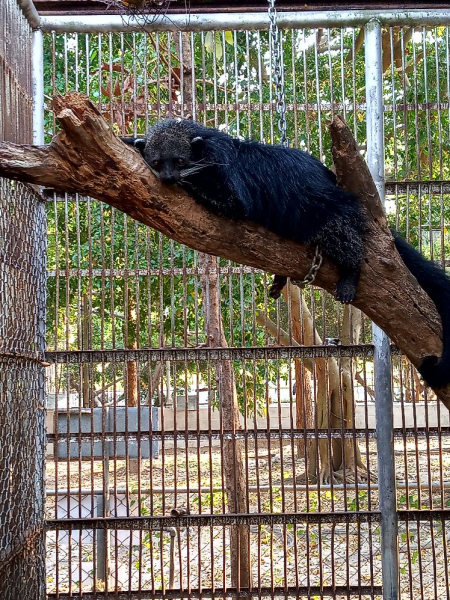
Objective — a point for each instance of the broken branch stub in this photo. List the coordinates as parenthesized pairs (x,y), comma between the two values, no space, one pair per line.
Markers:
(86,157)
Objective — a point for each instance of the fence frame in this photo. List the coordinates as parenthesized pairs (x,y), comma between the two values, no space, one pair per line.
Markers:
(372,20)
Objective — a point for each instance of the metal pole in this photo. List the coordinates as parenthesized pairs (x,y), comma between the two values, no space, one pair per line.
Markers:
(249,21)
(37,77)
(382,356)
(103,536)
(30,13)
(37,82)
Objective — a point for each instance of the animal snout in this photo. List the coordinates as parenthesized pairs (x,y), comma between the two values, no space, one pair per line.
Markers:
(167,177)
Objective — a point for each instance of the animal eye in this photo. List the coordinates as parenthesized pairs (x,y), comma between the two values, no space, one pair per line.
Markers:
(181,161)
(155,163)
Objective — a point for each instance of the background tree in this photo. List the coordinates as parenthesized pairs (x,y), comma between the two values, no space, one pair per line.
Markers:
(136,78)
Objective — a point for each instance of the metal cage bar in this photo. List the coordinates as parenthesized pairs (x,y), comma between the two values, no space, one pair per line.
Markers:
(382,358)
(253,21)
(104,451)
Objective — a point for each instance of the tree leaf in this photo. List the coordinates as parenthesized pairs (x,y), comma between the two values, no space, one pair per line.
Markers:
(219,50)
(229,37)
(209,42)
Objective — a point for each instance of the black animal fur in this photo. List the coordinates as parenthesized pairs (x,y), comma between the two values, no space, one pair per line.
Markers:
(290,193)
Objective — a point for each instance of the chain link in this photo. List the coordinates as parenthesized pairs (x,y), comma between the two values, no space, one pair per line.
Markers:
(311,275)
(278,77)
(278,71)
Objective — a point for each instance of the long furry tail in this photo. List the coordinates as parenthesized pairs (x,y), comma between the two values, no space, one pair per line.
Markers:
(432,279)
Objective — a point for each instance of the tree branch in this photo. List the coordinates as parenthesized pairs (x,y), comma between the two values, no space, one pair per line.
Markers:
(86,157)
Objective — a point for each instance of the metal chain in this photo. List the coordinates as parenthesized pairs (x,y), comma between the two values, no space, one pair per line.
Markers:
(278,71)
(278,77)
(311,275)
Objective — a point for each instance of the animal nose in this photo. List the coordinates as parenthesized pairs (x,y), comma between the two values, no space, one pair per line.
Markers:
(167,178)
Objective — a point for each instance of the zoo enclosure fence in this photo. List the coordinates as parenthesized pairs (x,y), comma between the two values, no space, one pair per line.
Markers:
(22,331)
(155,472)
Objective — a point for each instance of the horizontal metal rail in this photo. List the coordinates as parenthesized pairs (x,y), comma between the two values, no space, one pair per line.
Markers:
(209,520)
(414,187)
(145,272)
(260,434)
(158,523)
(30,13)
(162,107)
(208,354)
(430,515)
(252,21)
(261,592)
(287,487)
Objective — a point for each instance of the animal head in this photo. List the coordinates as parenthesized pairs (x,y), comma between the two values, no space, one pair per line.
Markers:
(172,150)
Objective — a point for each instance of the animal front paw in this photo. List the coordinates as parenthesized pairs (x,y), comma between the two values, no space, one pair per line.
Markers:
(345,291)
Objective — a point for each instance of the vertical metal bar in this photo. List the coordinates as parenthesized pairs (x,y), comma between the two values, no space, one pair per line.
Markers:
(101,540)
(37,79)
(37,82)
(382,358)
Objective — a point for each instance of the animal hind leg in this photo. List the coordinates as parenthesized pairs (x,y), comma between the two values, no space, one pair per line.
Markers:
(344,245)
(278,283)
(345,288)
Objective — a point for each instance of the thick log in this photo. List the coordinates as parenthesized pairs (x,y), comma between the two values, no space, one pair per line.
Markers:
(86,157)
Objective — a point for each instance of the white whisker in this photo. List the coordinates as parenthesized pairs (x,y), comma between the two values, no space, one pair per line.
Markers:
(192,170)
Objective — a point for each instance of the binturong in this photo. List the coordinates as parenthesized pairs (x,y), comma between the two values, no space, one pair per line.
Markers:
(292,194)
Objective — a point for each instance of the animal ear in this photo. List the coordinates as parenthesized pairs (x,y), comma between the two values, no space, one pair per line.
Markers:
(139,144)
(128,140)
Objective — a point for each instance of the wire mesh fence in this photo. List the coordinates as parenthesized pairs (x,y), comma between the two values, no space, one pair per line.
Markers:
(22,333)
(172,463)
(22,319)
(16,105)
(138,434)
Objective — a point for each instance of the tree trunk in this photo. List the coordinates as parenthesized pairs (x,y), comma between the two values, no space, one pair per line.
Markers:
(87,158)
(185,57)
(131,383)
(232,449)
(86,379)
(329,411)
(304,409)
(348,449)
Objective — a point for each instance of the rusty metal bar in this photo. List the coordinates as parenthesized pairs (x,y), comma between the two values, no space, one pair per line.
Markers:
(206,520)
(251,434)
(198,354)
(260,592)
(230,21)
(213,435)
(382,357)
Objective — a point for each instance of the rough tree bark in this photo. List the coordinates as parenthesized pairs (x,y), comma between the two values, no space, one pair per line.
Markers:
(303,392)
(232,449)
(349,455)
(86,157)
(131,379)
(85,369)
(334,399)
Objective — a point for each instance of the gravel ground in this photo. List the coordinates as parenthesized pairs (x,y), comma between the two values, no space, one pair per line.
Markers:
(301,554)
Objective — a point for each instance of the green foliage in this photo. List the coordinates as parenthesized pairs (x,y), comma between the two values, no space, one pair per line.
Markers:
(358,503)
(410,502)
(143,289)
